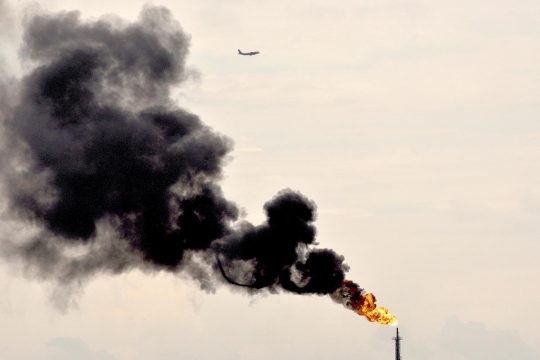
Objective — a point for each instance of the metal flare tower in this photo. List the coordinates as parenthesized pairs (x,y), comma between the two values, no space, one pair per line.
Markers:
(397,339)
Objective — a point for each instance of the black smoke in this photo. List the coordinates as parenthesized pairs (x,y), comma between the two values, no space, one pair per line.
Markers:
(115,175)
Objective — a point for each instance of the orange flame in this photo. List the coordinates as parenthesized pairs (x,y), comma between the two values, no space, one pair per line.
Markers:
(354,297)
(374,313)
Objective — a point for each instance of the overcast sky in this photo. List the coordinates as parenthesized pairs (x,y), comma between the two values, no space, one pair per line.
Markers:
(414,126)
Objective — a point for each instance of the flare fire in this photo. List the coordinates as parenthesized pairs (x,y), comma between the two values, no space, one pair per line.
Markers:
(98,156)
(363,303)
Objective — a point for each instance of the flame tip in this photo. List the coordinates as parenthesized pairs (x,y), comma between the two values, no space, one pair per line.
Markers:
(364,303)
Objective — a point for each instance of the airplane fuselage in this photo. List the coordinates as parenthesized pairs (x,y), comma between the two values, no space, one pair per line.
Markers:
(250,53)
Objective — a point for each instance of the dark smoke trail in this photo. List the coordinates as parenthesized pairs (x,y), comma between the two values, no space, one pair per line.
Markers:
(117,176)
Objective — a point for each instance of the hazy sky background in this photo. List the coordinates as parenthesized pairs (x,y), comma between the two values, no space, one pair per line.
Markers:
(414,125)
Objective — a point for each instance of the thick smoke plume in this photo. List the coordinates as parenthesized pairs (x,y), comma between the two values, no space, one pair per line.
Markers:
(116,176)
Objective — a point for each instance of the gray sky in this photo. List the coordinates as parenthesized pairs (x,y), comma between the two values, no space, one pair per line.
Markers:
(412,124)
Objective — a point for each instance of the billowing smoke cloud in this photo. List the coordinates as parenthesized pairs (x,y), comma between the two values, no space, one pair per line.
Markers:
(116,176)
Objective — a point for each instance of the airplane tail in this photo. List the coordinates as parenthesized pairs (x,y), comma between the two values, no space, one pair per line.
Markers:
(239,51)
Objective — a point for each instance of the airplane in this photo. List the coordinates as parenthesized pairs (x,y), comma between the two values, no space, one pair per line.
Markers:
(251,53)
